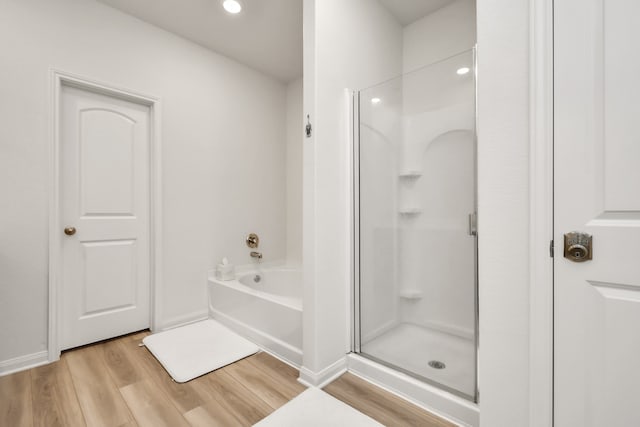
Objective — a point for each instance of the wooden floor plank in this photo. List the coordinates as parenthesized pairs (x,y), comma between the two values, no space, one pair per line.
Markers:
(274,393)
(275,367)
(55,401)
(238,399)
(15,400)
(285,375)
(381,405)
(100,400)
(150,406)
(212,414)
(136,336)
(183,396)
(122,368)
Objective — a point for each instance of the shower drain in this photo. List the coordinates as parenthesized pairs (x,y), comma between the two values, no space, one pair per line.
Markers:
(436,364)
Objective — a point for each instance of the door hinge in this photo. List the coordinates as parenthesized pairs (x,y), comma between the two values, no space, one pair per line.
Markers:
(551,248)
(473,224)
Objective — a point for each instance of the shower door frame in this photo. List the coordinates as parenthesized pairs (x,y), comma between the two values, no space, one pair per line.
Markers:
(356,332)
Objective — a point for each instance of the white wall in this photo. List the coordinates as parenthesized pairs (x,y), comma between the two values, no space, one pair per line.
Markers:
(347,45)
(503,195)
(439,35)
(223,149)
(295,139)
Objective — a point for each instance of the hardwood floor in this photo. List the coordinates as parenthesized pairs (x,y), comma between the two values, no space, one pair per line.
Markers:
(118,383)
(381,405)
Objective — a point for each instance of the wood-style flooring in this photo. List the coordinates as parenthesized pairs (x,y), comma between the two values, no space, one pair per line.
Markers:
(118,383)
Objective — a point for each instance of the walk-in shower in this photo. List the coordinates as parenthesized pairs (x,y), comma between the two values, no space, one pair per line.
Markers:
(415,221)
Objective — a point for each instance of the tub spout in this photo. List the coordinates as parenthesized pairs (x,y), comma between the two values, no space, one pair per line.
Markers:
(256,255)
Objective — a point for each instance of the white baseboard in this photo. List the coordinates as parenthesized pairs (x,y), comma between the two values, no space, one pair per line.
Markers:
(325,376)
(183,320)
(22,363)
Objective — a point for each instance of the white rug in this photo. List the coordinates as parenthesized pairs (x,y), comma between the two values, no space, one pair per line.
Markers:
(315,408)
(189,351)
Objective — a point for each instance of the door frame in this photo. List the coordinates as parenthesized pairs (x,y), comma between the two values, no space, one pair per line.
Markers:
(541,280)
(57,79)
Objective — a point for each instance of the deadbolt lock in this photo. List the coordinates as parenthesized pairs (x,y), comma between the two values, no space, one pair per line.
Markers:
(578,246)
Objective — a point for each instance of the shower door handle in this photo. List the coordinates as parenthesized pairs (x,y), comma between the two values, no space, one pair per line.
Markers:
(473,224)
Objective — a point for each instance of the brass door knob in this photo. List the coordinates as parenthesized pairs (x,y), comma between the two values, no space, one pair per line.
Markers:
(70,231)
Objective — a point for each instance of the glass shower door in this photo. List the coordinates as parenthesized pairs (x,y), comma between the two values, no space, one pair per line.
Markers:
(416,253)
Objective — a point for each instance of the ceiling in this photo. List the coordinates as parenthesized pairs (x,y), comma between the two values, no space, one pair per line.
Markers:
(266,35)
(408,11)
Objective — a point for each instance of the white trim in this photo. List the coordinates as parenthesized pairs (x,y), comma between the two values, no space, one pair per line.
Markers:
(21,363)
(325,376)
(56,80)
(350,220)
(446,405)
(354,114)
(541,214)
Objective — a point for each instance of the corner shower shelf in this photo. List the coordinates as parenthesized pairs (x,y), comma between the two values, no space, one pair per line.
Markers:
(408,175)
(410,211)
(411,294)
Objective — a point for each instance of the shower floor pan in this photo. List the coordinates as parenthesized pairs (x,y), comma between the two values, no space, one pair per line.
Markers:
(411,348)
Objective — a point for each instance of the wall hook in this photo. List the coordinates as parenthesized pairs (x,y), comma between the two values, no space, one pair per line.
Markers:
(308,127)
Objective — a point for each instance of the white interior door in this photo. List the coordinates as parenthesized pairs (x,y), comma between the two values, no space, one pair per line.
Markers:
(597,190)
(104,209)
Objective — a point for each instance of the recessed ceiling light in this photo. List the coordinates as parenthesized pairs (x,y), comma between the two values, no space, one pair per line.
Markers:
(375,100)
(232,6)
(463,70)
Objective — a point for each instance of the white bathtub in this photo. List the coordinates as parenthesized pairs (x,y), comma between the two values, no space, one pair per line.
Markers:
(263,305)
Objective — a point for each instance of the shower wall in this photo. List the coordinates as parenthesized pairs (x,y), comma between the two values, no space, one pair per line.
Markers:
(423,124)
(381,128)
(438,123)
(416,194)
(439,35)
(438,126)
(417,282)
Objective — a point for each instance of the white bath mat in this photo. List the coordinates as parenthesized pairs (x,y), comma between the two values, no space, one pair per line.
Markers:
(189,351)
(315,408)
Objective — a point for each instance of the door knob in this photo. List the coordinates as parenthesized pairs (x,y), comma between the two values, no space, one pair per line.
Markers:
(578,246)
(70,231)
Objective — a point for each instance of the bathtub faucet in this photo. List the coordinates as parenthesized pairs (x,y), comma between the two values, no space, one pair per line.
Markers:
(256,255)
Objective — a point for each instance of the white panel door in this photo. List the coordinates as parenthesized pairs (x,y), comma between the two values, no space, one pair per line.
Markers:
(597,191)
(104,198)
